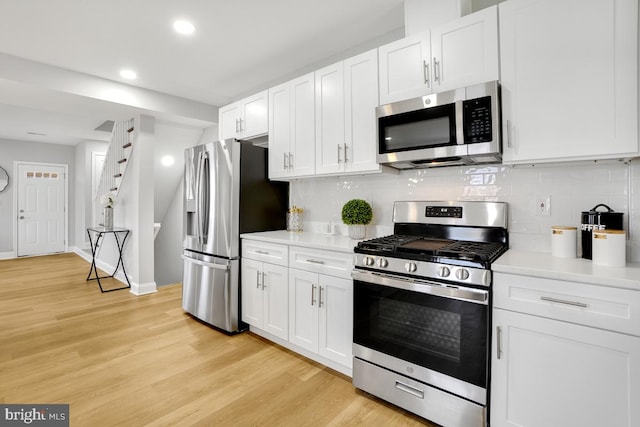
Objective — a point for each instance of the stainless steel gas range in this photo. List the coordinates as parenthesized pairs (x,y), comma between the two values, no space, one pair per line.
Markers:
(422,300)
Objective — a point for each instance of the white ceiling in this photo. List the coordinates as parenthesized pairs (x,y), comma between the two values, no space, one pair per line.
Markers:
(239,47)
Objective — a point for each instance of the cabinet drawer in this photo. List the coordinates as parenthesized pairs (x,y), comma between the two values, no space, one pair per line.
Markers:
(267,252)
(337,264)
(599,306)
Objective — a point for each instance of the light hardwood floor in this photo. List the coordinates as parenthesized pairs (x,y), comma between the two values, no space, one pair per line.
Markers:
(123,360)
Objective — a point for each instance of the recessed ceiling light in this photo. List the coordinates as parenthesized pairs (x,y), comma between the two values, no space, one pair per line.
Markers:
(183,27)
(167,160)
(128,74)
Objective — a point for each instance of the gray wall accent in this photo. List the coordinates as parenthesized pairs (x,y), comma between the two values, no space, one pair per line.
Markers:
(11,151)
(168,243)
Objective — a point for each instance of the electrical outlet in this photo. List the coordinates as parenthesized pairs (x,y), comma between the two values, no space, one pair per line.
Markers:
(543,205)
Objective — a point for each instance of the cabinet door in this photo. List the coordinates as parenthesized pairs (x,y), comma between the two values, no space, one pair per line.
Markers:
(551,373)
(330,119)
(303,309)
(279,130)
(569,92)
(404,69)
(229,120)
(252,305)
(360,102)
(465,51)
(302,161)
(335,301)
(254,117)
(276,300)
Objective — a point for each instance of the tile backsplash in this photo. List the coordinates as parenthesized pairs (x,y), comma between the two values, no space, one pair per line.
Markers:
(570,188)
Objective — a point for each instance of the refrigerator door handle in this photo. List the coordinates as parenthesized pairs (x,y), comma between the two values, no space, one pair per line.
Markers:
(199,198)
(205,264)
(202,197)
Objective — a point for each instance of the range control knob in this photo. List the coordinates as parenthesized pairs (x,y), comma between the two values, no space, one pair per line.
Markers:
(444,271)
(368,261)
(410,267)
(462,274)
(382,263)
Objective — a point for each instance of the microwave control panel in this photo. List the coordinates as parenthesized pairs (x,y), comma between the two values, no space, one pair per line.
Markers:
(477,120)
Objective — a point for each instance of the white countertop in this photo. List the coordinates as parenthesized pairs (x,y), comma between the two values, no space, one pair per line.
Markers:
(568,269)
(309,240)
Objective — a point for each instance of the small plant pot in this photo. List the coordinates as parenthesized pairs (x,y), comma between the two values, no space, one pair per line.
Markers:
(357,231)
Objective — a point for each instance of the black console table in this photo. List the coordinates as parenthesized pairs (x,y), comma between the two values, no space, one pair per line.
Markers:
(120,234)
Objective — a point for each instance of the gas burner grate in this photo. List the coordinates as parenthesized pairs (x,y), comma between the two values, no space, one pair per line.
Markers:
(481,251)
(387,243)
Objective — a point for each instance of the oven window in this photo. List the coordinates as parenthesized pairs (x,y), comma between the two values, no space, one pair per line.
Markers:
(446,335)
(429,127)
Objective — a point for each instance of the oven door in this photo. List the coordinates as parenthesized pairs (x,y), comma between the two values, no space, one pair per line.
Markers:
(429,331)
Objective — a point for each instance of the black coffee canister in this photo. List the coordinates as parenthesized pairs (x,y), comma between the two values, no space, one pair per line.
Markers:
(598,220)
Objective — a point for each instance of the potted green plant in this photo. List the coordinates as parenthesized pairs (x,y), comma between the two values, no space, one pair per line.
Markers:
(356,214)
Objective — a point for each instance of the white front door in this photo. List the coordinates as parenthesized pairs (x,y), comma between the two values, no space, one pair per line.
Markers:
(41,209)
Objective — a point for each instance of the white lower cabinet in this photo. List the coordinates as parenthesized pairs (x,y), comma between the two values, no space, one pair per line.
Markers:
(300,298)
(320,314)
(265,296)
(548,372)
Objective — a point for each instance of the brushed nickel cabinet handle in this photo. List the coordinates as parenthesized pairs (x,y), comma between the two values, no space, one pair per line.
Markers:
(313,294)
(257,279)
(261,252)
(284,161)
(320,295)
(498,342)
(566,302)
(315,261)
(264,280)
(425,71)
(339,159)
(436,70)
(346,159)
(290,160)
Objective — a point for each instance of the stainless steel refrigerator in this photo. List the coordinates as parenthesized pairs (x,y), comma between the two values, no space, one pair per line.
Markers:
(226,193)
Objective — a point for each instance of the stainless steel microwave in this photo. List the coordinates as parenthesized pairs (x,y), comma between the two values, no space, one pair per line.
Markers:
(457,127)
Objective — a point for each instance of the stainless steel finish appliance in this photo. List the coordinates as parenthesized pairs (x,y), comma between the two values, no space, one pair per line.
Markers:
(422,309)
(457,127)
(226,192)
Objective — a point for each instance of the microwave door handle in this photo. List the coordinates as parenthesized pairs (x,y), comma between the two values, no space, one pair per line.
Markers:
(459,123)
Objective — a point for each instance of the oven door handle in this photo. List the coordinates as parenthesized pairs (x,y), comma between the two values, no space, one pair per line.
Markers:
(477,296)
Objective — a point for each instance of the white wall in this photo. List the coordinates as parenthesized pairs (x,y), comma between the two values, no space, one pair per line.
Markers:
(83,190)
(572,188)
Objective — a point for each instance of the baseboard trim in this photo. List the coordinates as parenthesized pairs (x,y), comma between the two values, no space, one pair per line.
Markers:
(7,255)
(143,288)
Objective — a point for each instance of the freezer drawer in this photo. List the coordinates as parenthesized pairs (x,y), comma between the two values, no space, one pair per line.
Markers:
(210,290)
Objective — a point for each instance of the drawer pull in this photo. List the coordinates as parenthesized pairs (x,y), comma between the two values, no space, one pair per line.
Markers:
(562,301)
(411,390)
(315,261)
(262,252)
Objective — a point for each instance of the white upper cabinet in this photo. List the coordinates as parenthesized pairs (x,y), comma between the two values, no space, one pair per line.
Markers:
(291,129)
(569,79)
(465,51)
(244,119)
(460,53)
(346,98)
(405,68)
